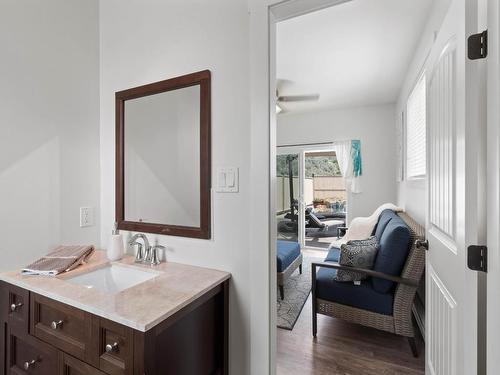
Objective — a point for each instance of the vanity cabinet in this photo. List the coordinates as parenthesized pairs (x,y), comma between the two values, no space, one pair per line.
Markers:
(42,336)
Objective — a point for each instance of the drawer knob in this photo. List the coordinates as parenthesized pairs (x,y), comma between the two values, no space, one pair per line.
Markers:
(56,325)
(30,364)
(111,348)
(15,306)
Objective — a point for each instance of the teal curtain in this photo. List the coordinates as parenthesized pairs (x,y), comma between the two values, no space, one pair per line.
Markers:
(357,168)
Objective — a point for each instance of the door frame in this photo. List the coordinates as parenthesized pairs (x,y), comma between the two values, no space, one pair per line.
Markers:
(493,186)
(264,15)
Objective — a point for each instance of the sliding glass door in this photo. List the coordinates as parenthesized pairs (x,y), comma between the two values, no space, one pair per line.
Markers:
(325,198)
(289,196)
(311,196)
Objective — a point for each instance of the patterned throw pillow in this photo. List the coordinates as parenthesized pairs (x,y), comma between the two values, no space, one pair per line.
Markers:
(359,254)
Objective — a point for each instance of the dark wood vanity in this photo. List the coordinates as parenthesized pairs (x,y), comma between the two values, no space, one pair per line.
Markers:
(45,337)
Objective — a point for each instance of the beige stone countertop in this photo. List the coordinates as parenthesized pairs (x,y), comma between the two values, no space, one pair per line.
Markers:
(140,307)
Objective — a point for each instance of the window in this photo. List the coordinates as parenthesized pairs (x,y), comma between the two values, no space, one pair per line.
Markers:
(416,132)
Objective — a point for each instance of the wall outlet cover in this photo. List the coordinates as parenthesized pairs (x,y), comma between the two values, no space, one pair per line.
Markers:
(86,217)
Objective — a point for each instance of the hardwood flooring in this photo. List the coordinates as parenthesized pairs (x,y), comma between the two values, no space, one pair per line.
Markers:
(341,348)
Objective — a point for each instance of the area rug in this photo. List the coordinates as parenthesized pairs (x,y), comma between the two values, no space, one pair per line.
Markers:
(297,289)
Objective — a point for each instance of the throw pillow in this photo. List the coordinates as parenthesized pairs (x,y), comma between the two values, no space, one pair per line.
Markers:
(359,254)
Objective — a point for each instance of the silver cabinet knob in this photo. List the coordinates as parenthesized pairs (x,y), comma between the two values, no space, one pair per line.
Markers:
(30,364)
(111,348)
(15,306)
(56,325)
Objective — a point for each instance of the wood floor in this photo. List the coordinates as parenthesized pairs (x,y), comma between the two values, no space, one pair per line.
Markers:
(343,348)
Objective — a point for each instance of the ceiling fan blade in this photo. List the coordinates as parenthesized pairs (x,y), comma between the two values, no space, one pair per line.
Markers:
(298,98)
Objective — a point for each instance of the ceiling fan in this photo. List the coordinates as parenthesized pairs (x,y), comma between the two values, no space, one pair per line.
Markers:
(291,98)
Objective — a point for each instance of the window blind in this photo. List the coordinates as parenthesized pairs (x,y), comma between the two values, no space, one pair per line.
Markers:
(416,131)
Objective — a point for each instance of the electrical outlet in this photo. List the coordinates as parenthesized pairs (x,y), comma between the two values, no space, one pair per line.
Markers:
(86,217)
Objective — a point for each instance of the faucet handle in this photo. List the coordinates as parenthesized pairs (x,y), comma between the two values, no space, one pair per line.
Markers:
(155,257)
(139,256)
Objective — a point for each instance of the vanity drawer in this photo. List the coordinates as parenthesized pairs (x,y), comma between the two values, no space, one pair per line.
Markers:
(73,366)
(15,306)
(63,326)
(27,355)
(115,346)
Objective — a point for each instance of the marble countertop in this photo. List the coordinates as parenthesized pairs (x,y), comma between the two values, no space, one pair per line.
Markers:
(140,307)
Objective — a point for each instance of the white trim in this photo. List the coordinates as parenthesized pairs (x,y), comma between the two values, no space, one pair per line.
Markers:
(493,187)
(287,9)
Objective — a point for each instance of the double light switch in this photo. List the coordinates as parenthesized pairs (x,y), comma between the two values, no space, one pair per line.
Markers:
(227,180)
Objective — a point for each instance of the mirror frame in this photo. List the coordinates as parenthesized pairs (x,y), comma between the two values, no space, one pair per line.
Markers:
(203,79)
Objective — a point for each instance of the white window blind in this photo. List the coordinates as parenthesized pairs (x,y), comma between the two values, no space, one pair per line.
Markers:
(415,131)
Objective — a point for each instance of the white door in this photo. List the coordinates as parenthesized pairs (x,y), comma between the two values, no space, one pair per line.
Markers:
(454,213)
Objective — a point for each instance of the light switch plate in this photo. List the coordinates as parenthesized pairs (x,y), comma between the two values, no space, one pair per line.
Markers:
(227,180)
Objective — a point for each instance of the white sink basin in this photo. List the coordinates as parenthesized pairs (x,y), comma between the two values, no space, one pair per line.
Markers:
(113,278)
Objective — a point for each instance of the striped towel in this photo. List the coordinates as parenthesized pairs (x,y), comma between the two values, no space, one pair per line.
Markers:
(61,259)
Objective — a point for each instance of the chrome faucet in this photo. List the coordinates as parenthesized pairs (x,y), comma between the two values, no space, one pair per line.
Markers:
(142,254)
(146,253)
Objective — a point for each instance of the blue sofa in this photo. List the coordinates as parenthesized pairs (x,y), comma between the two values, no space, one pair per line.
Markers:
(385,298)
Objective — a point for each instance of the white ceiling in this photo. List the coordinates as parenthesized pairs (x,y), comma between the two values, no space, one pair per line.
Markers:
(353,54)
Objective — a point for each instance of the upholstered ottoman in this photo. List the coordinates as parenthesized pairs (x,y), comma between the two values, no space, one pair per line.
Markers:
(288,259)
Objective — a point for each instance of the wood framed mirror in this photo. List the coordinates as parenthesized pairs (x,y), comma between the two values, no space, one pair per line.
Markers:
(163,157)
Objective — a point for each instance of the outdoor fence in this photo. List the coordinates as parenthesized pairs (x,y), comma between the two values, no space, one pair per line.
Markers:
(328,187)
(317,187)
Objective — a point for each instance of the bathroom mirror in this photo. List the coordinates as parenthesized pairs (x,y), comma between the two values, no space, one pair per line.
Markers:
(163,157)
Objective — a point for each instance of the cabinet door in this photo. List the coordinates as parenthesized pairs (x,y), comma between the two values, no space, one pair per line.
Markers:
(27,355)
(63,326)
(14,306)
(73,366)
(115,346)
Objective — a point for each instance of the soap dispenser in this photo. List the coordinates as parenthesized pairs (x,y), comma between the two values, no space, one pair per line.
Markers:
(115,248)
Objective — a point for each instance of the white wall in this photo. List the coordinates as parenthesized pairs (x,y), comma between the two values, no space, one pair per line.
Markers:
(49,147)
(147,41)
(412,194)
(374,126)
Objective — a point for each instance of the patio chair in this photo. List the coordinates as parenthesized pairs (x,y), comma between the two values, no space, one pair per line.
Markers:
(384,300)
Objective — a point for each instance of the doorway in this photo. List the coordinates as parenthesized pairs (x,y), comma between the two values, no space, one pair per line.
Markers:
(409,187)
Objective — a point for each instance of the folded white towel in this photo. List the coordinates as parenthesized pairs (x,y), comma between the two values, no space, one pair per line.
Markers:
(362,227)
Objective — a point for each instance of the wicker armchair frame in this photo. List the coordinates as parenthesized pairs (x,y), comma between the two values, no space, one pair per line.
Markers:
(400,322)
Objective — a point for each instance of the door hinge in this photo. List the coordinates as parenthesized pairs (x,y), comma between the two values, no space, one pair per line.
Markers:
(477,258)
(477,45)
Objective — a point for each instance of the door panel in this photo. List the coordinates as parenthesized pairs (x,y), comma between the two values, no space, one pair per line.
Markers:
(442,143)
(453,211)
(442,325)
